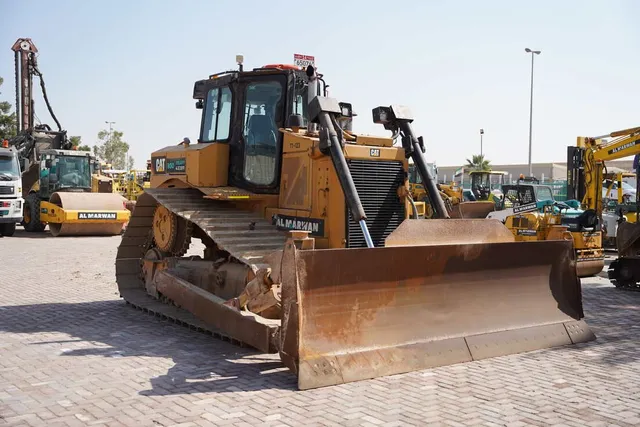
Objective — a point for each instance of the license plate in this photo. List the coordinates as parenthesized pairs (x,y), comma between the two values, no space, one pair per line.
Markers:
(3,213)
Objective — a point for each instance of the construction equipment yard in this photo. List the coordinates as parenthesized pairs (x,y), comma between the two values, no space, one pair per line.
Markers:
(73,353)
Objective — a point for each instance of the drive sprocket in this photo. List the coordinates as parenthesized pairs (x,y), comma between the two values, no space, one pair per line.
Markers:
(171,233)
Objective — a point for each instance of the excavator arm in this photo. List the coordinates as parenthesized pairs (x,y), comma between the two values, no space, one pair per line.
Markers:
(586,163)
(585,166)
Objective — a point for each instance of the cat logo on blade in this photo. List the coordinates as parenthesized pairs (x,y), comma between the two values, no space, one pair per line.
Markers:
(97,215)
(314,226)
(374,152)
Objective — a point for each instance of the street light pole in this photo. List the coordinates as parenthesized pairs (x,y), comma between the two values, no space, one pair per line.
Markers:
(532,52)
(481,133)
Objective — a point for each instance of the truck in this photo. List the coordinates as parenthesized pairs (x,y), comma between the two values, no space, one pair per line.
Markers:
(11,200)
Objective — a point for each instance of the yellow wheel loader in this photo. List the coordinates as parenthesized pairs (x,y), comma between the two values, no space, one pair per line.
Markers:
(312,249)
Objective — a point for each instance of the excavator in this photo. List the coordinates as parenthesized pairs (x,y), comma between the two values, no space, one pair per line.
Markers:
(585,167)
(56,179)
(313,251)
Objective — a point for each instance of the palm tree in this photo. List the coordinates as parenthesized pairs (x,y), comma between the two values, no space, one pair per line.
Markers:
(478,163)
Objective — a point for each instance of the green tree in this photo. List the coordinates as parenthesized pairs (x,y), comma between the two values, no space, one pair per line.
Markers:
(8,122)
(112,149)
(478,163)
(76,141)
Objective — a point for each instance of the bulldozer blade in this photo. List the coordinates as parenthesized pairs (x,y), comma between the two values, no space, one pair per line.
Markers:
(628,238)
(473,209)
(470,293)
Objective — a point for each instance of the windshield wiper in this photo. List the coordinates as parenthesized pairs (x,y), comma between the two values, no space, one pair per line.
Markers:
(7,177)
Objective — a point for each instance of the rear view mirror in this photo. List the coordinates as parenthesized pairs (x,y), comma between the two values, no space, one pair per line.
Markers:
(47,163)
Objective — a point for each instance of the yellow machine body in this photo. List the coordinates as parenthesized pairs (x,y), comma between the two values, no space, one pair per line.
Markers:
(71,211)
(547,225)
(287,269)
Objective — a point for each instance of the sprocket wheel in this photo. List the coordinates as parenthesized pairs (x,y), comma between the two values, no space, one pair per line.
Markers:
(171,233)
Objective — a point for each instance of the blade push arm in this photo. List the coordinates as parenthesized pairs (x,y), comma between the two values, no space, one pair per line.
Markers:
(324,111)
(398,119)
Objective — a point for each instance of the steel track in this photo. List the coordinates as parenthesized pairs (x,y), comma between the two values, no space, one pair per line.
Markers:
(246,236)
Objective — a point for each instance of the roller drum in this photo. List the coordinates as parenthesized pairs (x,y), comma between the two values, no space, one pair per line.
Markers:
(83,202)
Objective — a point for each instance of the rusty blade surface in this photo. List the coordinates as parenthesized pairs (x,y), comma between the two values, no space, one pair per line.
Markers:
(449,231)
(366,313)
(473,209)
(628,238)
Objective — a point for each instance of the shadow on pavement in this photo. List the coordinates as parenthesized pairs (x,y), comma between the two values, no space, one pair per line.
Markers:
(202,363)
(614,316)
(46,234)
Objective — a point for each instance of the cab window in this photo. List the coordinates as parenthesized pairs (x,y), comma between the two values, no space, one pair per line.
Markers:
(260,131)
(544,193)
(217,117)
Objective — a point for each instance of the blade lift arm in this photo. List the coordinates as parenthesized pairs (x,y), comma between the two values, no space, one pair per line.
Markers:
(324,111)
(398,119)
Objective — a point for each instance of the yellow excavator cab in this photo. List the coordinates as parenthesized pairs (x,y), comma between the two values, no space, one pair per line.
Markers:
(314,250)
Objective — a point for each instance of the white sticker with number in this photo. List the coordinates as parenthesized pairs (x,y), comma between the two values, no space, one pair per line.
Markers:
(303,60)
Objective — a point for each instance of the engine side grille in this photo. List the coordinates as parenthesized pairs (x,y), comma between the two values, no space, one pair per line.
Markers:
(7,190)
(377,184)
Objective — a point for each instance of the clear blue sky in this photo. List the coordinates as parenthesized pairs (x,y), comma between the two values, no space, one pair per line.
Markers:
(459,65)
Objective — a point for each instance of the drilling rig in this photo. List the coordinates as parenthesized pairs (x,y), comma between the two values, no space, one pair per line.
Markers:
(56,179)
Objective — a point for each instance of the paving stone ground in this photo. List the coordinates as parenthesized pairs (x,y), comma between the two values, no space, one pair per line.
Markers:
(73,354)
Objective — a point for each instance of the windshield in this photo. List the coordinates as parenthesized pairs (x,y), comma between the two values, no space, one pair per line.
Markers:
(9,170)
(72,171)
(627,187)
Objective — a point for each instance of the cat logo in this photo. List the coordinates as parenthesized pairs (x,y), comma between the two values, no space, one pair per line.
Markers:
(374,152)
(159,164)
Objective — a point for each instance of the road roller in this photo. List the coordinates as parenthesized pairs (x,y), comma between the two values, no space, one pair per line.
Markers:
(60,196)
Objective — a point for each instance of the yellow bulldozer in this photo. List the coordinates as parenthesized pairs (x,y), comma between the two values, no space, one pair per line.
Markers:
(313,251)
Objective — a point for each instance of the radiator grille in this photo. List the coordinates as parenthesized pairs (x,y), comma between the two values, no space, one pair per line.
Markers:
(377,183)
(6,190)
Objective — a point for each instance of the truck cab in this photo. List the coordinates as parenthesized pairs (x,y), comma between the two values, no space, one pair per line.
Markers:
(11,200)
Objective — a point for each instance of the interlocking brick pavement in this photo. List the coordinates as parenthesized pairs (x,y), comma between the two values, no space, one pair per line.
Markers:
(73,354)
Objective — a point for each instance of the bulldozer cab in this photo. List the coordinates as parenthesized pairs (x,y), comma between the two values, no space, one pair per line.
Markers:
(246,110)
(64,170)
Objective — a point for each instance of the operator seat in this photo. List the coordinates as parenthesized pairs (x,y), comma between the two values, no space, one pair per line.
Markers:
(261,136)
(260,150)
(586,220)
